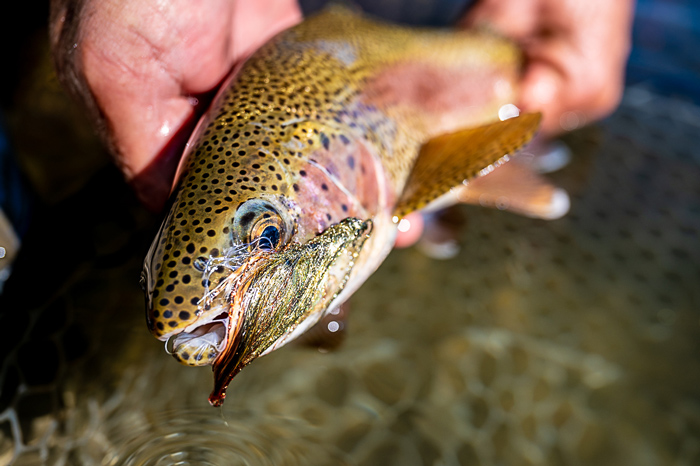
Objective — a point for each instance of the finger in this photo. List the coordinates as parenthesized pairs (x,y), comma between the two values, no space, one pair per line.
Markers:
(256,22)
(540,90)
(410,230)
(143,63)
(569,87)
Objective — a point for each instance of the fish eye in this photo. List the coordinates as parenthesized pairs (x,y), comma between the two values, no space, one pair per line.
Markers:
(269,238)
(266,230)
(259,224)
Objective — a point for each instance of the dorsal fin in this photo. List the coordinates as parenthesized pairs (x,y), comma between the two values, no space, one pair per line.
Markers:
(447,160)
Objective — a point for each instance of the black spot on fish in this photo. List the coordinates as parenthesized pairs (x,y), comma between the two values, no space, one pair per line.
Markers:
(168,314)
(170,288)
(184,315)
(247,218)
(160,326)
(179,299)
(172,323)
(302,172)
(194,301)
(344,139)
(325,141)
(185,356)
(211,233)
(324,186)
(164,302)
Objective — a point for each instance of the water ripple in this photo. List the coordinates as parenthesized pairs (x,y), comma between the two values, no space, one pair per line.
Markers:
(199,437)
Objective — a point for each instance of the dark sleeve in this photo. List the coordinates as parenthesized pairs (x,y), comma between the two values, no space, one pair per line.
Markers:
(413,12)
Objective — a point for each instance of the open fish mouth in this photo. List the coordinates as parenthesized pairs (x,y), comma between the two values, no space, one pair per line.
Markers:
(268,299)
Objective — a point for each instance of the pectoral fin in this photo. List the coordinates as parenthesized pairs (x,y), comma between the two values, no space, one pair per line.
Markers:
(447,160)
(516,187)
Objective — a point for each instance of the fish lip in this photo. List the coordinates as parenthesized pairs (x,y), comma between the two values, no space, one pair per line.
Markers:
(228,363)
(236,354)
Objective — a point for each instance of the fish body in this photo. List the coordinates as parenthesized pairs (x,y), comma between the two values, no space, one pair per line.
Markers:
(288,195)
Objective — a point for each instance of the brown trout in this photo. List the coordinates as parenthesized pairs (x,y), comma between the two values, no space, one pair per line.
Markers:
(291,188)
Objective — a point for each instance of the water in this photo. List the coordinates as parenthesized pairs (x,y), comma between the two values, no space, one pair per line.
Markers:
(570,342)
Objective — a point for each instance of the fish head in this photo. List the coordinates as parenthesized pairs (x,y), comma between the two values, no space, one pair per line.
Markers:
(196,249)
(249,256)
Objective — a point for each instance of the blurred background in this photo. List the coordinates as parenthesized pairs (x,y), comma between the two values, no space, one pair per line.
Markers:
(567,342)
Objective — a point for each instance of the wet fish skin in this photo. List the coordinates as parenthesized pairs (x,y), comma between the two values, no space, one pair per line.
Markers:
(322,125)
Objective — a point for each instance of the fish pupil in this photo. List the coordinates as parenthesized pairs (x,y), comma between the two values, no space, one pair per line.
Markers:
(269,237)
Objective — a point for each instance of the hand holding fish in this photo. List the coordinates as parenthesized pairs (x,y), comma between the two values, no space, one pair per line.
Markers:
(140,68)
(575,54)
(291,189)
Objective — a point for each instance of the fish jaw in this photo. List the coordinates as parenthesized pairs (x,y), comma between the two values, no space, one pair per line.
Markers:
(175,280)
(192,261)
(287,291)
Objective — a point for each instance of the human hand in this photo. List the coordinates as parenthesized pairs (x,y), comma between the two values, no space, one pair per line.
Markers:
(141,67)
(575,54)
